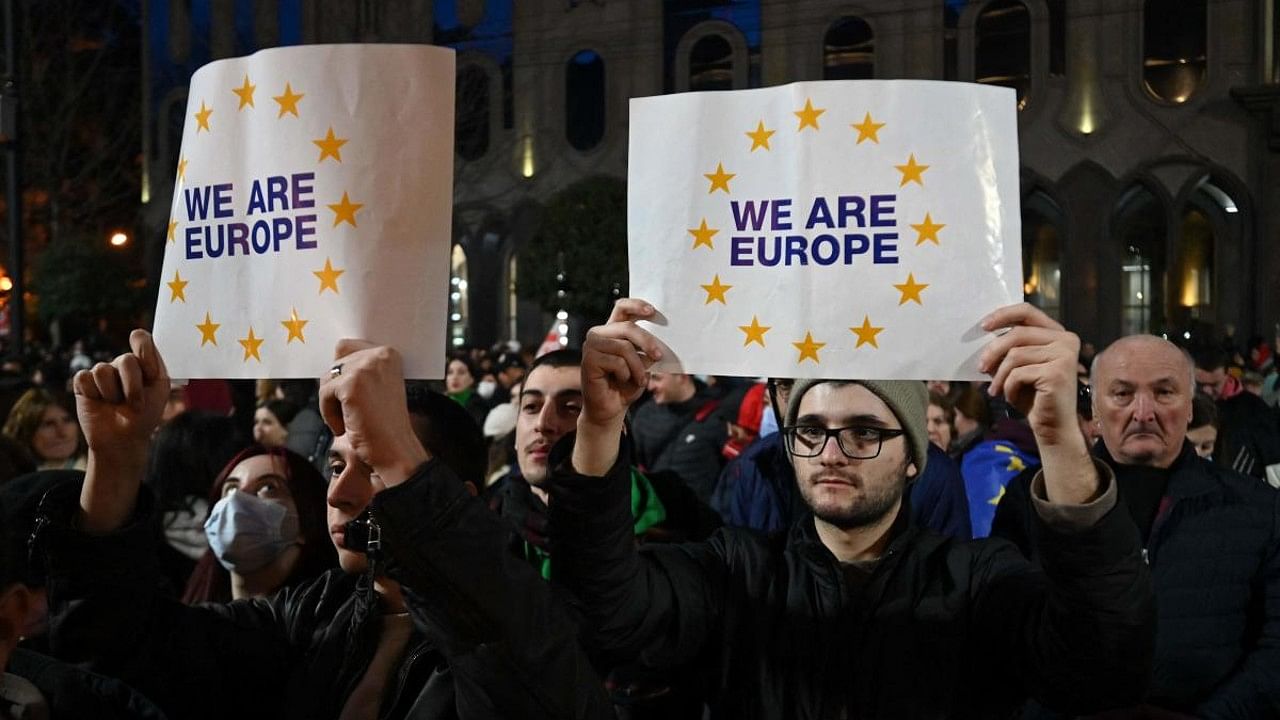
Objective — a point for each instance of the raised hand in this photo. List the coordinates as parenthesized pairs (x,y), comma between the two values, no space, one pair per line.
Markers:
(1033,365)
(364,399)
(119,404)
(616,358)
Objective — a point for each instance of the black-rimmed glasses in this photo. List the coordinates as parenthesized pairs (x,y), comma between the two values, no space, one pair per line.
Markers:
(857,442)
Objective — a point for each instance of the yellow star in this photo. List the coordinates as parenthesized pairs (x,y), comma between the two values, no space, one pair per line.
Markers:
(1016,464)
(866,333)
(996,500)
(867,129)
(808,115)
(328,277)
(208,331)
(911,290)
(202,117)
(755,332)
(928,230)
(330,146)
(178,287)
(245,92)
(719,179)
(345,211)
(182,169)
(251,345)
(760,138)
(808,349)
(294,325)
(912,172)
(173,230)
(702,235)
(716,291)
(288,101)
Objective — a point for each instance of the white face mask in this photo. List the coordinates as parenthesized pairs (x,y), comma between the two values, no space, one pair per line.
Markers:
(485,388)
(247,533)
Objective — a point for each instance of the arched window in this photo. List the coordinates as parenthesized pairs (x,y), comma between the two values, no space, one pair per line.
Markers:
(584,100)
(1210,219)
(1002,47)
(471,129)
(711,64)
(458,305)
(1141,232)
(1041,253)
(848,50)
(1173,45)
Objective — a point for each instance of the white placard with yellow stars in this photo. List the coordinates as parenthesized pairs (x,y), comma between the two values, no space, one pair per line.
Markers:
(855,229)
(313,202)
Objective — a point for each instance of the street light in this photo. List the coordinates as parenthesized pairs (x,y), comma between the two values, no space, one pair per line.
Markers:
(119,239)
(6,283)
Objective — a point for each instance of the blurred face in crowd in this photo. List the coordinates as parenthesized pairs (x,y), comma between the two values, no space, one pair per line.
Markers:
(843,491)
(458,378)
(668,388)
(550,402)
(1142,400)
(351,487)
(939,428)
(1203,438)
(267,429)
(57,436)
(942,387)
(1211,382)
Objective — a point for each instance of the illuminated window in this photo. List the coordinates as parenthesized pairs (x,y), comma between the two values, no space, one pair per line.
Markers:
(1041,263)
(848,50)
(1002,47)
(458,304)
(584,98)
(1141,231)
(1173,42)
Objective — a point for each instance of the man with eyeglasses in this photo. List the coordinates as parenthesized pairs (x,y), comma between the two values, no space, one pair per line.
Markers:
(856,612)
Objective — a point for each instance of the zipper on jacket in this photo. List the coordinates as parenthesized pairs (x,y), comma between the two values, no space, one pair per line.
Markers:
(1148,549)
(401,678)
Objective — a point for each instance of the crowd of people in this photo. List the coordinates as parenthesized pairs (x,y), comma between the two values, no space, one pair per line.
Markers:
(1086,533)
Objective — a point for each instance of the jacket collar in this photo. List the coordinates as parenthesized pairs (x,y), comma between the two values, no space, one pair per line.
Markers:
(1188,476)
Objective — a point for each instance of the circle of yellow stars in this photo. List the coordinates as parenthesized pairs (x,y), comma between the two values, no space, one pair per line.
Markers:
(345,211)
(910,290)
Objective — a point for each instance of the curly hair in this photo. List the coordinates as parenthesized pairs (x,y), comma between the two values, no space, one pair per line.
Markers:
(28,412)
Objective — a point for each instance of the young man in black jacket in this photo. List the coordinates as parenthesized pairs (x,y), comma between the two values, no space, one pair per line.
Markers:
(490,641)
(856,614)
(1211,536)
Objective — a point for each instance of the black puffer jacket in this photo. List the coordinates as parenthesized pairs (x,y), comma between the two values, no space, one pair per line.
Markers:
(1214,552)
(489,640)
(941,628)
(682,438)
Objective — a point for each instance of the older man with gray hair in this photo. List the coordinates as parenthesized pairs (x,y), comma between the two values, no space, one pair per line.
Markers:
(1210,535)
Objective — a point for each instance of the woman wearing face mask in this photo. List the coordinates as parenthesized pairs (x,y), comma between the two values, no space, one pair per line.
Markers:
(266,528)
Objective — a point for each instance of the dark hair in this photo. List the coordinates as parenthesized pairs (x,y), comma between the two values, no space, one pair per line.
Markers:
(472,368)
(1209,358)
(1203,412)
(19,499)
(564,357)
(971,402)
(187,454)
(210,582)
(28,412)
(284,410)
(448,432)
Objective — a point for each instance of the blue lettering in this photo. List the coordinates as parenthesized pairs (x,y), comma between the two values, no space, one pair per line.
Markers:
(222,200)
(795,248)
(197,200)
(306,227)
(827,258)
(781,215)
(819,214)
(882,206)
(277,186)
(777,251)
(740,250)
(854,244)
(752,215)
(193,243)
(885,253)
(300,190)
(257,203)
(850,206)
(238,235)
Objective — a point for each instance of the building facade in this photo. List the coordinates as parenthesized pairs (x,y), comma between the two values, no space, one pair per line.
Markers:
(1146,127)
